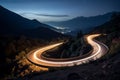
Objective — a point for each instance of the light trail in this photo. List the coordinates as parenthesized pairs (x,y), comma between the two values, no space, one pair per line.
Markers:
(99,49)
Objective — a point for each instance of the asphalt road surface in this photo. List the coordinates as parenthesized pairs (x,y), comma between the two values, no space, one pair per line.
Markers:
(99,50)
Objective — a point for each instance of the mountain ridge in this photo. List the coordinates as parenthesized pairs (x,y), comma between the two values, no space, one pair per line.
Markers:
(84,23)
(14,24)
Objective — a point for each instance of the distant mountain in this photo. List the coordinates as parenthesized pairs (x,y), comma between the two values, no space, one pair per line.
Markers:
(108,66)
(110,27)
(14,24)
(83,23)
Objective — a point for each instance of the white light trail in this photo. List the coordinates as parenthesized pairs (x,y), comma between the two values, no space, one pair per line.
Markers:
(97,53)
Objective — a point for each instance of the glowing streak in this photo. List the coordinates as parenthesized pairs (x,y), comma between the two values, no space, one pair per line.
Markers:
(45,61)
(93,56)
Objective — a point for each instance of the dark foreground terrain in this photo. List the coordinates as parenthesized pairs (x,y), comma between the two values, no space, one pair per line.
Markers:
(106,68)
(14,64)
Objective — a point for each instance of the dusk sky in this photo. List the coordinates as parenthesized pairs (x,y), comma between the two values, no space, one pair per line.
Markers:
(59,10)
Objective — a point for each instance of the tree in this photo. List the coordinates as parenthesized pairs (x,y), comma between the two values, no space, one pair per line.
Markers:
(79,34)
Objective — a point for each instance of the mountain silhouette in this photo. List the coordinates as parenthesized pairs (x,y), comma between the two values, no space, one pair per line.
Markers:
(84,23)
(16,25)
(110,27)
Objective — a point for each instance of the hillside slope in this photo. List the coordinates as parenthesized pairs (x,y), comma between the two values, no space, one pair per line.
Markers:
(106,68)
(84,23)
(16,25)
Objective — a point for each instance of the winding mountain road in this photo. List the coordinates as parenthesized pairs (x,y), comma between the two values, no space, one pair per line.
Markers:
(99,49)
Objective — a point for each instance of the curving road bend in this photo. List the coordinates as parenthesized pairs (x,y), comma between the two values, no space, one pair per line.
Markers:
(99,49)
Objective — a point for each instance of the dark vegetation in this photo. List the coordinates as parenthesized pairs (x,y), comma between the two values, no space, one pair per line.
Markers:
(18,36)
(73,47)
(108,66)
(13,52)
(14,47)
(105,68)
